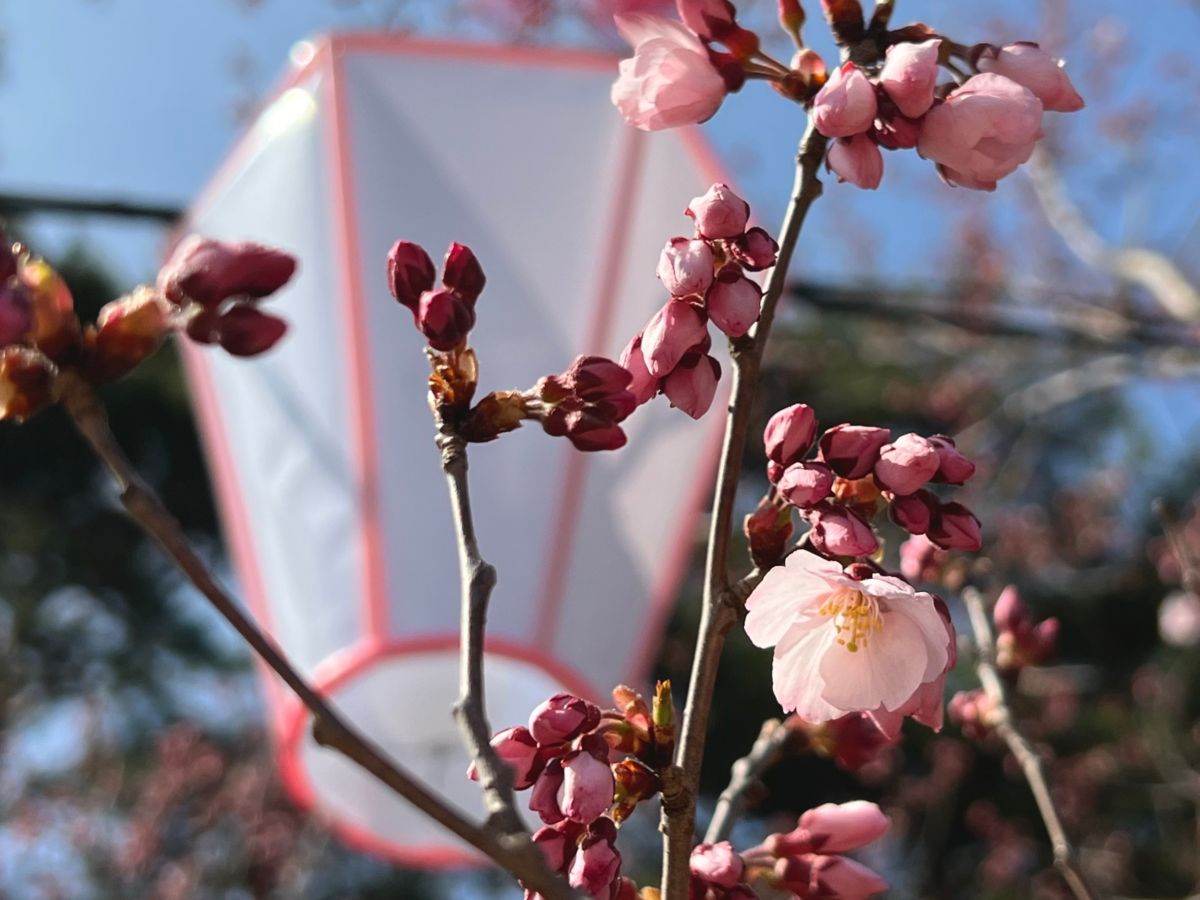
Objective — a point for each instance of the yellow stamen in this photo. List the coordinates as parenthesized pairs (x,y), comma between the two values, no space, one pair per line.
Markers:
(855,616)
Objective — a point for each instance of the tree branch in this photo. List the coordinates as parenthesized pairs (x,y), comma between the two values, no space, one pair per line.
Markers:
(767,750)
(1026,756)
(719,609)
(478,580)
(87,413)
(1133,265)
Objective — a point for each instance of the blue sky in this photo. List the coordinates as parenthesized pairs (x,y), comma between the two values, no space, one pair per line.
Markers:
(138,99)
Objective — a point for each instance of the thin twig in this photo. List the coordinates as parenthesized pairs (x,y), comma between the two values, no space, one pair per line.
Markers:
(748,771)
(478,580)
(719,609)
(1022,751)
(1154,271)
(87,412)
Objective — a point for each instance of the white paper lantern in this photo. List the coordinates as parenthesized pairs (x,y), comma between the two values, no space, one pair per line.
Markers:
(322,450)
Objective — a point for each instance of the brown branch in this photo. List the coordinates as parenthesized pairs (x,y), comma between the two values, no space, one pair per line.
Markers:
(720,604)
(1026,757)
(87,413)
(1154,271)
(478,580)
(747,772)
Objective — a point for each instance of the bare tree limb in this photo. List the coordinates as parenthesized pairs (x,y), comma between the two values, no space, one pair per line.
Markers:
(478,580)
(768,749)
(720,602)
(87,413)
(1026,757)
(1134,265)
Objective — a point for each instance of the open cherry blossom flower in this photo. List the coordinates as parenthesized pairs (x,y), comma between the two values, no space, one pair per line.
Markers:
(844,645)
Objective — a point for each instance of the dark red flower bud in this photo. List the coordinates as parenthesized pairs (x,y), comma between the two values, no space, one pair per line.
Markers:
(444,318)
(597,863)
(410,273)
(755,250)
(462,273)
(209,272)
(915,512)
(767,530)
(16,313)
(544,798)
(246,331)
(956,528)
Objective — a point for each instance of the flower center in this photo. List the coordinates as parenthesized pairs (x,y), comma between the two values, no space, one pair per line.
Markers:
(855,615)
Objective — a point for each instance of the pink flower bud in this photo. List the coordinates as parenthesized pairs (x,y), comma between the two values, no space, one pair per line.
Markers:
(914,512)
(857,160)
(208,272)
(558,843)
(691,386)
(462,273)
(543,799)
(733,302)
(790,433)
(597,863)
(16,314)
(670,80)
(643,385)
(717,864)
(920,558)
(516,747)
(956,528)
(719,213)
(246,331)
(805,484)
(587,788)
(846,105)
(755,250)
(1010,612)
(673,331)
(708,18)
(982,132)
(815,875)
(906,464)
(838,827)
(909,75)
(851,450)
(444,318)
(1032,67)
(686,266)
(953,467)
(562,718)
(973,712)
(838,531)
(410,273)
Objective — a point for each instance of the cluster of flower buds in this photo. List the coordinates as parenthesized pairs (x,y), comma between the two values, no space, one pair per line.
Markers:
(974,712)
(585,404)
(706,277)
(976,132)
(588,769)
(1019,641)
(857,470)
(215,287)
(208,287)
(444,315)
(808,860)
